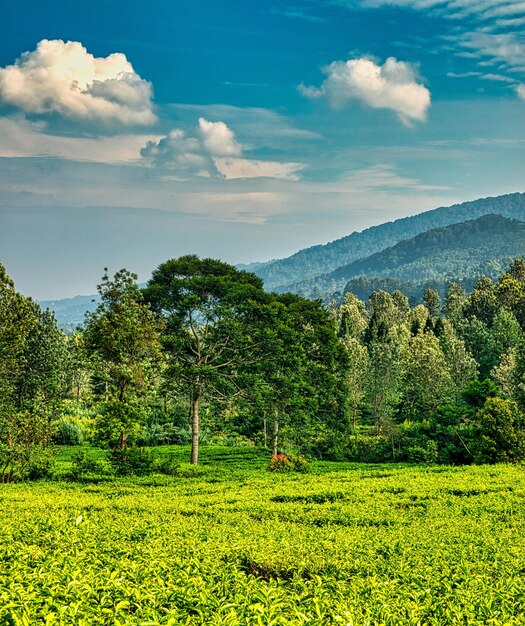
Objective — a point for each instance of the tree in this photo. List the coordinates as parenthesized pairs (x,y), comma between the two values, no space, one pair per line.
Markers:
(356,376)
(460,363)
(306,369)
(122,337)
(46,372)
(504,373)
(432,302)
(351,317)
(383,381)
(501,429)
(426,380)
(18,318)
(25,339)
(482,302)
(206,305)
(455,302)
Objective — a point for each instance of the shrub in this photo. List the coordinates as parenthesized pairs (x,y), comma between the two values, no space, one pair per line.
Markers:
(68,434)
(40,466)
(84,465)
(500,426)
(24,443)
(167,465)
(369,449)
(131,461)
(288,463)
(425,452)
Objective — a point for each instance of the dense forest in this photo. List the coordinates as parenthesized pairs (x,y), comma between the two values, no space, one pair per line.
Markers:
(204,354)
(459,252)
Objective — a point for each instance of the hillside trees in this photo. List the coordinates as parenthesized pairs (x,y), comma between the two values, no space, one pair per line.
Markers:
(206,307)
(122,338)
(33,376)
(226,338)
(313,400)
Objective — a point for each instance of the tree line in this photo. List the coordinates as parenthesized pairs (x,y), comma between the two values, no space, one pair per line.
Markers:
(204,354)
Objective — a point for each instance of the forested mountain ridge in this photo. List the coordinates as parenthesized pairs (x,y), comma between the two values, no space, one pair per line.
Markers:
(300,271)
(321,259)
(459,252)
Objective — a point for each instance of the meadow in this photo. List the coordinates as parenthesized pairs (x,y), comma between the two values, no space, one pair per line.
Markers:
(231,543)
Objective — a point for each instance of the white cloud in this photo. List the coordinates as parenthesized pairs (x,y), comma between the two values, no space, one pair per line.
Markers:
(180,151)
(489,31)
(23,138)
(520,90)
(453,9)
(502,47)
(212,151)
(390,86)
(64,78)
(218,139)
(250,168)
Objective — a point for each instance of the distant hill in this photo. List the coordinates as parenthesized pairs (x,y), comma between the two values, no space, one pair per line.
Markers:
(282,274)
(70,311)
(363,261)
(458,252)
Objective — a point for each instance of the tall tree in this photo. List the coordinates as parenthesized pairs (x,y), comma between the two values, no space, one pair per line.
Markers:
(455,302)
(122,337)
(206,306)
(460,363)
(426,380)
(25,335)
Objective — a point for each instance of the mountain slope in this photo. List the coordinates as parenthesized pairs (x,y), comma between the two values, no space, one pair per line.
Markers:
(70,312)
(459,252)
(311,262)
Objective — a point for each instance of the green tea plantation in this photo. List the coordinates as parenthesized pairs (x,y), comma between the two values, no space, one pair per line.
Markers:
(231,543)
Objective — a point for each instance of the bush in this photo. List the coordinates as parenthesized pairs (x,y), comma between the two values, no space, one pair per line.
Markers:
(288,463)
(500,427)
(131,461)
(157,434)
(369,449)
(167,465)
(24,446)
(84,466)
(40,466)
(68,434)
(425,452)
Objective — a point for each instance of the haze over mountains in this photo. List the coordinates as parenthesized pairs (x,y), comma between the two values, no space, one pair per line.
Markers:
(460,243)
(311,262)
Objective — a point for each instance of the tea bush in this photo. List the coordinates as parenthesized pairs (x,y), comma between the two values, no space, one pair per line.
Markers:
(230,543)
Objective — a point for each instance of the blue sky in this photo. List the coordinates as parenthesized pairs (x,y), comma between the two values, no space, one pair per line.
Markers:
(135,132)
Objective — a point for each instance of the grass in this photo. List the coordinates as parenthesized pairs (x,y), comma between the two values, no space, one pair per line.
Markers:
(231,543)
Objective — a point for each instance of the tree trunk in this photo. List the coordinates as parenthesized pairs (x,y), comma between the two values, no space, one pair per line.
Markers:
(195,429)
(265,432)
(275,434)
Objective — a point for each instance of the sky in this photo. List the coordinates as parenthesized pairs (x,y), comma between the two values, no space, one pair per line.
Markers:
(134,132)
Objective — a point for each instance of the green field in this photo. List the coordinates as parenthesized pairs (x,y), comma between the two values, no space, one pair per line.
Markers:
(231,543)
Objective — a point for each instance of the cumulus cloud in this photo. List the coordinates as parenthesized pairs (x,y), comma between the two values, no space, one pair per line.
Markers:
(520,90)
(64,78)
(212,151)
(391,86)
(218,139)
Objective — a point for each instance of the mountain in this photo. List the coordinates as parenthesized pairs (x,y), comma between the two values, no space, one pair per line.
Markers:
(70,312)
(458,252)
(282,274)
(356,262)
